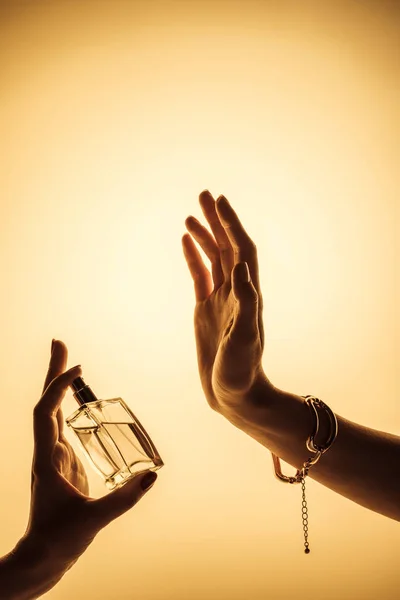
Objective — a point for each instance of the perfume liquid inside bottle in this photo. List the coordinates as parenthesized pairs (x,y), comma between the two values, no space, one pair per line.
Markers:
(112,437)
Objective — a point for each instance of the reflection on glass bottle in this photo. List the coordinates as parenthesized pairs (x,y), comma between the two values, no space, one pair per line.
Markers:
(112,437)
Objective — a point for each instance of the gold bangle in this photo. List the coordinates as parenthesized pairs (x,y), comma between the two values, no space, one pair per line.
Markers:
(319,449)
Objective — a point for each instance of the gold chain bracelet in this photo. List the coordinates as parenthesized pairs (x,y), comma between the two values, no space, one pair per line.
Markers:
(318,449)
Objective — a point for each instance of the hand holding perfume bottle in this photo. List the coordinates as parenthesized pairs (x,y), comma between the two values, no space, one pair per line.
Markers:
(63,519)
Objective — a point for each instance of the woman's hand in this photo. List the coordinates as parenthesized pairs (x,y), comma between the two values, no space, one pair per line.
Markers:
(228,314)
(63,520)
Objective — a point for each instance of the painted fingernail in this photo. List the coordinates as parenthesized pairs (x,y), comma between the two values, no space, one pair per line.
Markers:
(148,480)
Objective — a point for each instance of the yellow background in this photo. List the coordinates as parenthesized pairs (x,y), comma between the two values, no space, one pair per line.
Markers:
(114,116)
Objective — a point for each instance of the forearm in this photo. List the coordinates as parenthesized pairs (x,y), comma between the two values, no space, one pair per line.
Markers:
(362,464)
(28,572)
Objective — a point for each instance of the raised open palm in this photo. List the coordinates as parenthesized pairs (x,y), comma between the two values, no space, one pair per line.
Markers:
(228,314)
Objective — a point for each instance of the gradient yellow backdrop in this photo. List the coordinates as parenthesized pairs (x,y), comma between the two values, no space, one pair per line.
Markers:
(114,116)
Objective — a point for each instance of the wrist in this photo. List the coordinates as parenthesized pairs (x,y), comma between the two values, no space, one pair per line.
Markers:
(279,420)
(288,424)
(29,571)
(267,409)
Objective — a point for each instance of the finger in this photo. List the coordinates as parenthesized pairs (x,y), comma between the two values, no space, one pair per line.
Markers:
(210,248)
(243,350)
(44,415)
(199,272)
(58,362)
(244,248)
(60,422)
(208,207)
(122,499)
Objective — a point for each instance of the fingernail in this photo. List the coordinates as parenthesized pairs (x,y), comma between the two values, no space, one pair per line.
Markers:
(52,345)
(243,272)
(148,480)
(222,199)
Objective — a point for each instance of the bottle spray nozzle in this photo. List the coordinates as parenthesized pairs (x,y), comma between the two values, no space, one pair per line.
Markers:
(82,392)
(78,384)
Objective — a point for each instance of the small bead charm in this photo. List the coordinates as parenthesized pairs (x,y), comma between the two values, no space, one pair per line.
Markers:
(307,550)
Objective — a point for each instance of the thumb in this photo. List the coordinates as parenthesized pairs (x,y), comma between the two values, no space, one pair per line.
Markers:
(122,499)
(245,325)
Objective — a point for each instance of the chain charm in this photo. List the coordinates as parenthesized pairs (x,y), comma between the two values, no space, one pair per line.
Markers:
(304,514)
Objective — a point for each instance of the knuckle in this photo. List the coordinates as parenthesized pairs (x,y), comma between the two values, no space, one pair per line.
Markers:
(250,245)
(255,296)
(250,295)
(38,410)
(214,405)
(197,276)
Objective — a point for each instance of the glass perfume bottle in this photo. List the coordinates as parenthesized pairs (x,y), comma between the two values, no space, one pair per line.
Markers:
(116,443)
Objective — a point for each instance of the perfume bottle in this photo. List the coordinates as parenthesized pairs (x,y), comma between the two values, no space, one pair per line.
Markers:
(112,437)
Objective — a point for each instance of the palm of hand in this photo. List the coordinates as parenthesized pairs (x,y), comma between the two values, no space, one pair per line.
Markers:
(228,366)
(213,320)
(69,466)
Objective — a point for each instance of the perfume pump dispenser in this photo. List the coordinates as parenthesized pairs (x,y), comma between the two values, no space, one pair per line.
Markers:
(113,439)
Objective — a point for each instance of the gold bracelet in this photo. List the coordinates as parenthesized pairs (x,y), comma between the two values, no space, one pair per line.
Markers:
(319,449)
